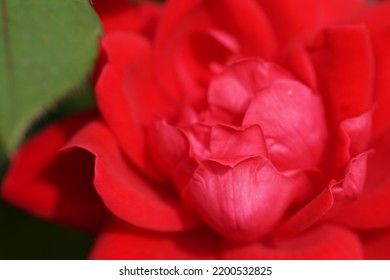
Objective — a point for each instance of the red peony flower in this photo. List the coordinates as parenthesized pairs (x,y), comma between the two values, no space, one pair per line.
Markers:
(251,129)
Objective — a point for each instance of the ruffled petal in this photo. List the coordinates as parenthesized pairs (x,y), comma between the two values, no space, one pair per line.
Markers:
(329,201)
(119,240)
(353,139)
(124,16)
(295,20)
(323,242)
(229,145)
(242,202)
(125,193)
(55,186)
(372,209)
(211,35)
(126,97)
(343,59)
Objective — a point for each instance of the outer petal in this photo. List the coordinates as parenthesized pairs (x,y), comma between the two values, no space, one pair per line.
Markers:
(55,186)
(119,240)
(322,242)
(128,195)
(123,16)
(292,19)
(343,59)
(377,245)
(195,36)
(243,202)
(126,97)
(377,20)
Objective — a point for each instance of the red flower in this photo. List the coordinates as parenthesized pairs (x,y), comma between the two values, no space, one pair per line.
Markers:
(203,148)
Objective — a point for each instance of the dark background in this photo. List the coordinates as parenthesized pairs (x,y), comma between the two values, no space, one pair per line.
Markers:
(23,236)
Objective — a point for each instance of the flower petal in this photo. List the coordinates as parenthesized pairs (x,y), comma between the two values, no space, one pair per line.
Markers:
(372,209)
(119,240)
(376,18)
(170,151)
(292,19)
(231,91)
(323,242)
(124,88)
(229,145)
(211,33)
(328,202)
(343,59)
(243,202)
(293,122)
(377,246)
(354,138)
(123,16)
(128,195)
(55,186)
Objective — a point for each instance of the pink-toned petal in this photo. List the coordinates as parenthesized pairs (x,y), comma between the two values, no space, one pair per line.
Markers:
(227,143)
(124,16)
(196,38)
(325,242)
(55,186)
(242,202)
(119,240)
(295,20)
(377,245)
(126,96)
(343,59)
(231,91)
(293,122)
(125,192)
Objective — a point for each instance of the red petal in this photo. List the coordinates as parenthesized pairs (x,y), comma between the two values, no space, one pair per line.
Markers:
(207,32)
(126,96)
(121,15)
(343,59)
(227,143)
(377,246)
(242,202)
(119,240)
(353,138)
(333,197)
(294,19)
(125,192)
(372,209)
(55,186)
(323,242)
(170,150)
(376,19)
(293,123)
(231,91)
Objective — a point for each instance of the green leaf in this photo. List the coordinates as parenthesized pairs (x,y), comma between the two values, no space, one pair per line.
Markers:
(47,48)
